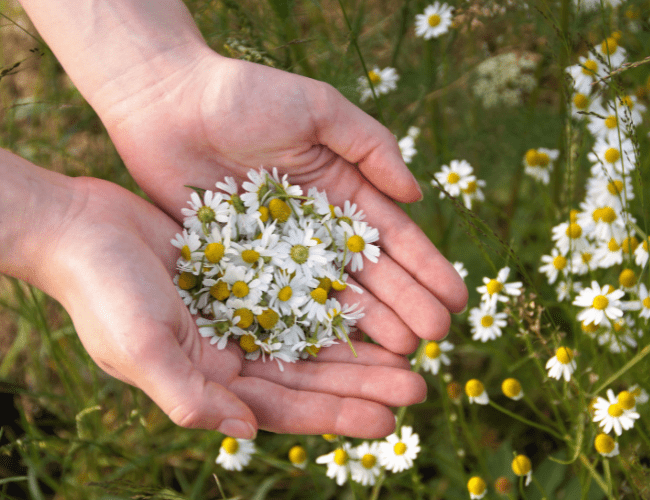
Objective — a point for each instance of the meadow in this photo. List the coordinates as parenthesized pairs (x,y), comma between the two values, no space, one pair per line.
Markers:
(526,125)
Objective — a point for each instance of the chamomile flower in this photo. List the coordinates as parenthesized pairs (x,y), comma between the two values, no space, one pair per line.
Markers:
(612,156)
(473,191)
(407,148)
(580,105)
(565,289)
(553,265)
(303,253)
(609,253)
(584,260)
(539,162)
(630,109)
(497,289)
(511,388)
(298,457)
(610,414)
(585,73)
(338,463)
(399,452)
(358,239)
(644,300)
(611,52)
(522,467)
(454,177)
(235,454)
(476,487)
(605,445)
(460,269)
(203,212)
(435,21)
(187,243)
(614,191)
(568,236)
(434,355)
(599,303)
(641,253)
(366,468)
(383,81)
(486,322)
(476,393)
(562,364)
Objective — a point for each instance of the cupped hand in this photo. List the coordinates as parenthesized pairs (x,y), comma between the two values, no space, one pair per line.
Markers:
(112,264)
(218,116)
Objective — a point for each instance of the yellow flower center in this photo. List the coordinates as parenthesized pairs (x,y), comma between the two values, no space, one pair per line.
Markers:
(368,460)
(434,20)
(432,350)
(600,302)
(399,448)
(339,286)
(604,444)
(250,256)
(214,252)
(612,155)
(646,302)
(573,215)
(476,486)
(474,388)
(627,101)
(494,286)
(187,281)
(543,159)
(279,210)
(245,317)
(247,343)
(589,67)
(609,46)
(613,245)
(511,387)
(564,355)
(615,410)
(319,295)
(186,253)
(341,457)
(330,438)
(264,214)
(574,231)
(205,215)
(313,350)
(610,122)
(452,178)
(627,278)
(588,327)
(471,187)
(626,399)
(356,243)
(608,215)
(297,455)
(615,187)
(586,257)
(521,465)
(268,319)
(220,290)
(629,245)
(374,77)
(487,321)
(240,289)
(559,262)
(580,101)
(230,445)
(299,254)
(532,158)
(285,294)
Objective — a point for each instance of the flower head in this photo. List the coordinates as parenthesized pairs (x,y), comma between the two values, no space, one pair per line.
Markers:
(476,487)
(383,81)
(611,414)
(398,453)
(605,445)
(521,466)
(235,454)
(435,21)
(476,393)
(562,364)
(599,303)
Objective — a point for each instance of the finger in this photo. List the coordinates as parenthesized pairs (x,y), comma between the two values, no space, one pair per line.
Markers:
(363,141)
(189,399)
(385,385)
(379,321)
(283,410)
(367,354)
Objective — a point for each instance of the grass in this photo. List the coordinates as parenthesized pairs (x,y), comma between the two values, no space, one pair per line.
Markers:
(69,431)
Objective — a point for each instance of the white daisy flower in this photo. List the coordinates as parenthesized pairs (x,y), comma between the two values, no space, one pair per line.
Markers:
(585,73)
(454,177)
(583,261)
(610,414)
(203,212)
(512,389)
(486,322)
(599,303)
(609,157)
(366,468)
(630,108)
(614,191)
(435,21)
(611,52)
(477,488)
(640,394)
(383,81)
(305,255)
(497,289)
(188,244)
(460,269)
(298,457)
(539,162)
(641,253)
(609,253)
(472,192)
(522,467)
(245,284)
(568,236)
(605,445)
(562,364)
(604,122)
(235,454)
(476,393)
(398,453)
(565,289)
(340,320)
(434,355)
(553,265)
(357,241)
(407,148)
(580,105)
(338,463)
(644,301)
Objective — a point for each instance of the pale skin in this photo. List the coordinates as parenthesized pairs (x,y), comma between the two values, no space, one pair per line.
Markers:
(180,114)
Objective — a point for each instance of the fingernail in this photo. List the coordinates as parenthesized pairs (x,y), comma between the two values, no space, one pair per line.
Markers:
(237,429)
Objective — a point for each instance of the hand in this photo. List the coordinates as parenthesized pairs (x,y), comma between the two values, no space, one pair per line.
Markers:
(220,116)
(110,265)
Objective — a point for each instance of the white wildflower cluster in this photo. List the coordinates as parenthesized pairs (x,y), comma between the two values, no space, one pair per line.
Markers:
(599,253)
(407,144)
(383,81)
(260,266)
(364,463)
(458,179)
(592,5)
(503,80)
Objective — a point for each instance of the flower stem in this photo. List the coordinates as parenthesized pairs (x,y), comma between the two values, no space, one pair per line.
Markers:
(526,421)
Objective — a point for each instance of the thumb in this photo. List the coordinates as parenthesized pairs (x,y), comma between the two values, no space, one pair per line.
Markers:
(190,400)
(360,139)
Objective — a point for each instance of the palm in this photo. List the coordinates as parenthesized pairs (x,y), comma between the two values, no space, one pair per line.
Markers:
(133,323)
(227,117)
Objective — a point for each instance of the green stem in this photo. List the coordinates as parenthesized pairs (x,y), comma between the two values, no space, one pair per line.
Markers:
(642,354)
(526,421)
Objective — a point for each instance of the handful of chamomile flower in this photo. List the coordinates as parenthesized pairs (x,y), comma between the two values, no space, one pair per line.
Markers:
(259,266)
